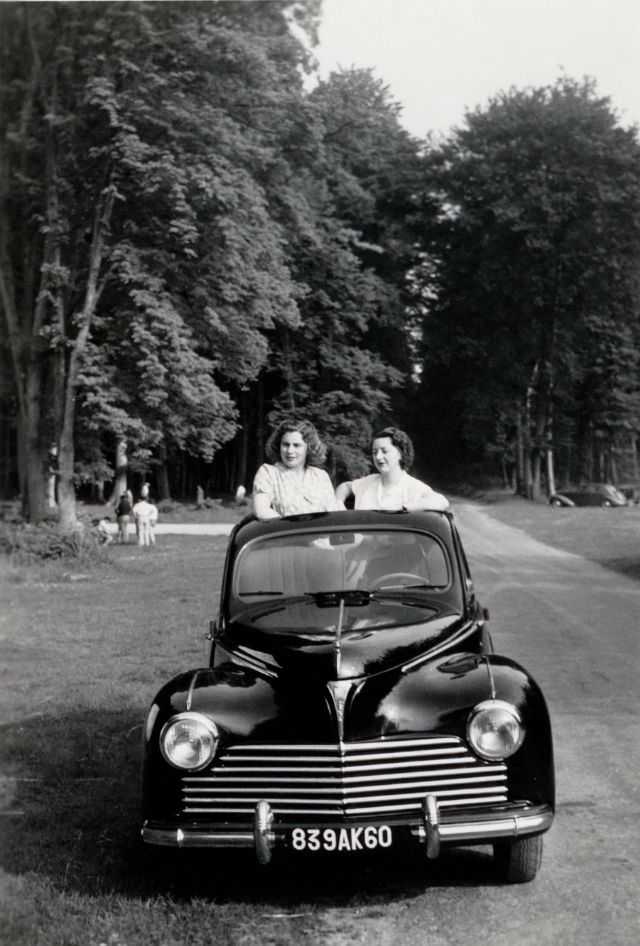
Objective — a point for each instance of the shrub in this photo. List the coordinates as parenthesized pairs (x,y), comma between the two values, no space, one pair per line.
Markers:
(28,544)
(168,505)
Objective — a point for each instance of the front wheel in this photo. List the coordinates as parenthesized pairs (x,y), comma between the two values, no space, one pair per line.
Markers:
(518,861)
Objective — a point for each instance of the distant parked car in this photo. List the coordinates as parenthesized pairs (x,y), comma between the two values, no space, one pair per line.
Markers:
(592,494)
(631,491)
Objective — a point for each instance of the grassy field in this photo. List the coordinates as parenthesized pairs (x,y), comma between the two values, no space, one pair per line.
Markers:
(84,650)
(608,536)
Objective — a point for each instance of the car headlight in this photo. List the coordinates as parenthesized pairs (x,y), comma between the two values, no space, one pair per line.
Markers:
(494,729)
(189,741)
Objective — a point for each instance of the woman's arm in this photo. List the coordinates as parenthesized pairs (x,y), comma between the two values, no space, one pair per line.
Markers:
(343,491)
(427,498)
(262,508)
(263,494)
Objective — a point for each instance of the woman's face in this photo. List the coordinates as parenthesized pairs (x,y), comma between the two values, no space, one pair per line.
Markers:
(293,450)
(386,456)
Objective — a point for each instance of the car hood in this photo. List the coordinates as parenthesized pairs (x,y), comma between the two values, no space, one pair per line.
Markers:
(327,642)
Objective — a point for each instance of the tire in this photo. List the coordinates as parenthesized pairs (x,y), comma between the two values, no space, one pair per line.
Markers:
(518,861)
(556,502)
(605,504)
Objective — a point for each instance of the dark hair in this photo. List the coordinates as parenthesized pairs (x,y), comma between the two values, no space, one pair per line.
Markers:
(316,450)
(400,440)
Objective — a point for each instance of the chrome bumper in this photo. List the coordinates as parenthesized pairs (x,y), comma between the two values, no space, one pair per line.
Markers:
(433,829)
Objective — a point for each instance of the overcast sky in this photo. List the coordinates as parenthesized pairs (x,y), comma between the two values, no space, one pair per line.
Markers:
(439,57)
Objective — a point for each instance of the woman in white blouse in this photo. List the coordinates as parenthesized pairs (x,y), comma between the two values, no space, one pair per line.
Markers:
(293,482)
(391,488)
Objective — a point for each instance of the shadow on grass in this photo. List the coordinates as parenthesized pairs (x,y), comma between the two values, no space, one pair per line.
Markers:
(70,814)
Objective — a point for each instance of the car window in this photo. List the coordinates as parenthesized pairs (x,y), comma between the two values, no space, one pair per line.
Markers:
(302,564)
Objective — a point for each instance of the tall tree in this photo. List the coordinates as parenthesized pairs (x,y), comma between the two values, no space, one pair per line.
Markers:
(143,268)
(532,230)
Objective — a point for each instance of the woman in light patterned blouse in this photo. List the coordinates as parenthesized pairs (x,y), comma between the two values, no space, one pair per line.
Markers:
(293,482)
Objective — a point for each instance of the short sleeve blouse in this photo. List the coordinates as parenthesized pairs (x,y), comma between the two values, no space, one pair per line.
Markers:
(408,493)
(289,495)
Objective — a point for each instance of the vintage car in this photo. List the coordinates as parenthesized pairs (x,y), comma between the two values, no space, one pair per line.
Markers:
(352,702)
(591,494)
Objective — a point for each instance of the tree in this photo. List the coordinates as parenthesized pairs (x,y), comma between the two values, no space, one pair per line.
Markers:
(532,229)
(139,265)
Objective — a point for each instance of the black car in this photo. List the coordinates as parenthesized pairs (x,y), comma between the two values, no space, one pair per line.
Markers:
(592,494)
(352,703)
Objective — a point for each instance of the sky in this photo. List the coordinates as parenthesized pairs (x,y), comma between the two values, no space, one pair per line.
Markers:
(440,57)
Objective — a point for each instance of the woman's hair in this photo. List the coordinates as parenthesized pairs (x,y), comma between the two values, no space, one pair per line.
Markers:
(400,440)
(316,450)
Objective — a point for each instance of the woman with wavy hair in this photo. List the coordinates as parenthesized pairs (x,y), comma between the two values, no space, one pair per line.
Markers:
(293,481)
(391,487)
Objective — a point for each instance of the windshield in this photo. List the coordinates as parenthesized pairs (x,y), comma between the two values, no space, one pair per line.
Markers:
(385,563)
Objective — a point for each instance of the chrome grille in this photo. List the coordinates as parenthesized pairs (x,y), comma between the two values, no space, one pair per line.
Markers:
(374,779)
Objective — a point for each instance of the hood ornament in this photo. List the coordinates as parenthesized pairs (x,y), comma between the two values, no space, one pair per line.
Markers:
(337,645)
(339,690)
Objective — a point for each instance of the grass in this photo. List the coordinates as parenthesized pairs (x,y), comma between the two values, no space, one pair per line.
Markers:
(222,509)
(84,649)
(608,536)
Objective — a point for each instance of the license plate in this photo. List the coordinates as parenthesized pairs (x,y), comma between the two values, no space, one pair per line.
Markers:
(361,838)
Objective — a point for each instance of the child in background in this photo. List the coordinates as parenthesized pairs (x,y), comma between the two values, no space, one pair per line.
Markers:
(146,516)
(104,531)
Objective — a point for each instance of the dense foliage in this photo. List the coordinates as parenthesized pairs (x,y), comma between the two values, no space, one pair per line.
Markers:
(194,242)
(530,288)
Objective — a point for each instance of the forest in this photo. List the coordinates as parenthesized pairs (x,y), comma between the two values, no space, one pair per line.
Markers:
(199,237)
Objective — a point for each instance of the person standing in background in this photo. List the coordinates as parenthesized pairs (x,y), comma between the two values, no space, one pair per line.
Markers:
(123,515)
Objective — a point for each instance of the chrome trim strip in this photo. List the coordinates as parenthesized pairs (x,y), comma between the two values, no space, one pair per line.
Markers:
(263,836)
(515,824)
(226,776)
(453,765)
(492,682)
(354,792)
(347,746)
(431,816)
(192,686)
(305,811)
(346,759)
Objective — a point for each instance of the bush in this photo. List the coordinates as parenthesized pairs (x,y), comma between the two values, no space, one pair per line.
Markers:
(28,544)
(168,505)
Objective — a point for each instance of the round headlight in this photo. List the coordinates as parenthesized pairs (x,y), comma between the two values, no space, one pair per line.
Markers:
(189,741)
(494,729)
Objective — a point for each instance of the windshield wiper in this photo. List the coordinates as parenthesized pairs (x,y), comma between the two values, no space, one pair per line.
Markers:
(387,589)
(331,599)
(246,594)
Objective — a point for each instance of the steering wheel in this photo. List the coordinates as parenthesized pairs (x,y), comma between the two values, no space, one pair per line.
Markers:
(398,578)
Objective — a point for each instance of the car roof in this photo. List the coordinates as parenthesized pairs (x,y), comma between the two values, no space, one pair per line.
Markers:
(251,528)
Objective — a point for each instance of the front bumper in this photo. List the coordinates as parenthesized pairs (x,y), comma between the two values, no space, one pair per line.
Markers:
(433,828)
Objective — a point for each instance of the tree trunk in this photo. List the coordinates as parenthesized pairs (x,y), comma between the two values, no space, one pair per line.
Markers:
(164,489)
(34,501)
(52,477)
(520,478)
(536,467)
(260,431)
(122,464)
(551,479)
